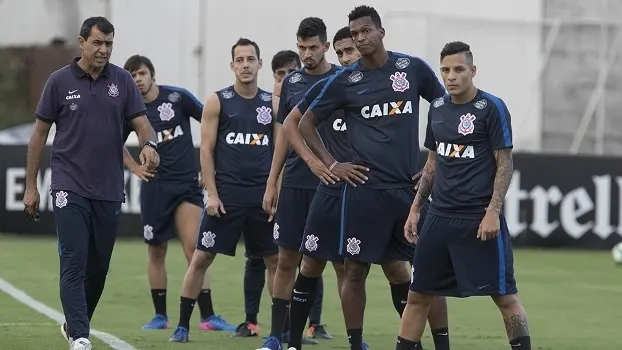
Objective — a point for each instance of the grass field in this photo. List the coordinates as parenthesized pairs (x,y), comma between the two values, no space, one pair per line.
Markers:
(572,299)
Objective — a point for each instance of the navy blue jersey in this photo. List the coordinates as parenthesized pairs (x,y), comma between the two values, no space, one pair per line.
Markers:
(381,107)
(332,130)
(296,173)
(87,153)
(169,115)
(243,152)
(464,137)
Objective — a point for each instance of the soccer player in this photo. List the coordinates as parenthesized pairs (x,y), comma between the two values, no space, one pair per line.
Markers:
(299,182)
(283,63)
(236,153)
(89,100)
(464,247)
(380,96)
(171,200)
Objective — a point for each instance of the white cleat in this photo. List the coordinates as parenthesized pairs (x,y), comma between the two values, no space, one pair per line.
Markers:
(81,344)
(292,348)
(63,331)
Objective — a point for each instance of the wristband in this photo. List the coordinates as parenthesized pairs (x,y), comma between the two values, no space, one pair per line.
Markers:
(333,165)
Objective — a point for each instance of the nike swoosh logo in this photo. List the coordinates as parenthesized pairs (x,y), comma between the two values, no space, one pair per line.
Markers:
(118,211)
(442,334)
(294,93)
(231,115)
(482,287)
(71,92)
(360,92)
(437,121)
(297,292)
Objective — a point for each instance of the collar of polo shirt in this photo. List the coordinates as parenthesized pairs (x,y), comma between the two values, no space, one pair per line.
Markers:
(80,73)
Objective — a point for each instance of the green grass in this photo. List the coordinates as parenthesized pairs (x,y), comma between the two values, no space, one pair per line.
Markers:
(572,298)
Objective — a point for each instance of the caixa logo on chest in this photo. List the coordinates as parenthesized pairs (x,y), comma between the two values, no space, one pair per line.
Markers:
(576,212)
(169,134)
(385,109)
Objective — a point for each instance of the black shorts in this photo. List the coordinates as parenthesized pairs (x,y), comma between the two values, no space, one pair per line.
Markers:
(373,224)
(451,261)
(322,237)
(221,235)
(158,202)
(291,216)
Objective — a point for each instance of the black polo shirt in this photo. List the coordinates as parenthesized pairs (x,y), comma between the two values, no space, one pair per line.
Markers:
(87,153)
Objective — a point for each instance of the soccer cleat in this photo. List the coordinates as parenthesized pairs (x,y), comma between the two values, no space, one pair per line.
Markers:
(180,335)
(272,344)
(305,340)
(319,332)
(365,346)
(157,322)
(246,330)
(216,323)
(65,333)
(81,344)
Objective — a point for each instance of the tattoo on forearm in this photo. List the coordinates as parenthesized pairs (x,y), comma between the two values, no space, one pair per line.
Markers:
(425,184)
(516,326)
(503,177)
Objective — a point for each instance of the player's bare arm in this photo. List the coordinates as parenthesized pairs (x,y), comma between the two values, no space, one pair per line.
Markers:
(292,134)
(36,145)
(209,133)
(425,182)
(146,136)
(489,228)
(132,165)
(351,173)
(273,184)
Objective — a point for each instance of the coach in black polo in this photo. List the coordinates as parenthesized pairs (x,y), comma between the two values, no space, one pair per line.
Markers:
(88,100)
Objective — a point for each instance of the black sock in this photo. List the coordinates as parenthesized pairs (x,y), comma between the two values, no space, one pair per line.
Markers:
(355,337)
(315,313)
(279,317)
(287,322)
(159,301)
(303,296)
(254,281)
(186,305)
(441,338)
(399,294)
(405,344)
(522,343)
(205,304)
(251,318)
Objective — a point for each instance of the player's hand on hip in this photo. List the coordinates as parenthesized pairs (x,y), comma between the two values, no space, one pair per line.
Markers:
(270,200)
(416,179)
(214,206)
(351,173)
(410,228)
(489,227)
(143,172)
(320,170)
(31,200)
(149,157)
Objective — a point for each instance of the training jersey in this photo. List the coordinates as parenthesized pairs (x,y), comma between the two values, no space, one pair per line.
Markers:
(333,132)
(296,173)
(381,109)
(464,137)
(243,151)
(169,115)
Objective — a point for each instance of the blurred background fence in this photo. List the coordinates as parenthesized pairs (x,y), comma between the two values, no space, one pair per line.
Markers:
(556,63)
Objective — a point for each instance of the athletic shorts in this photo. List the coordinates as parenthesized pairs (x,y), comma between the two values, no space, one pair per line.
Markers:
(291,216)
(322,235)
(158,202)
(451,261)
(220,235)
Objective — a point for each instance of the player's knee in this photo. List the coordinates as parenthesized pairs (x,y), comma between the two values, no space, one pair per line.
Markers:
(201,260)
(416,298)
(505,302)
(255,264)
(311,267)
(339,271)
(356,272)
(288,260)
(396,272)
(271,262)
(157,253)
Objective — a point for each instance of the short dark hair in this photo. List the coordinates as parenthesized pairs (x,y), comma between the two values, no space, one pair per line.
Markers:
(283,58)
(102,23)
(343,33)
(311,27)
(366,11)
(245,42)
(456,47)
(133,64)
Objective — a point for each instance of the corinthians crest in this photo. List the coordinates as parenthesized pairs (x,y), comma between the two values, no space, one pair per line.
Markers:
(264,115)
(466,125)
(400,84)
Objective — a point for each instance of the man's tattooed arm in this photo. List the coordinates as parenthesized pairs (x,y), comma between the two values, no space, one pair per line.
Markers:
(503,177)
(425,182)
(516,326)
